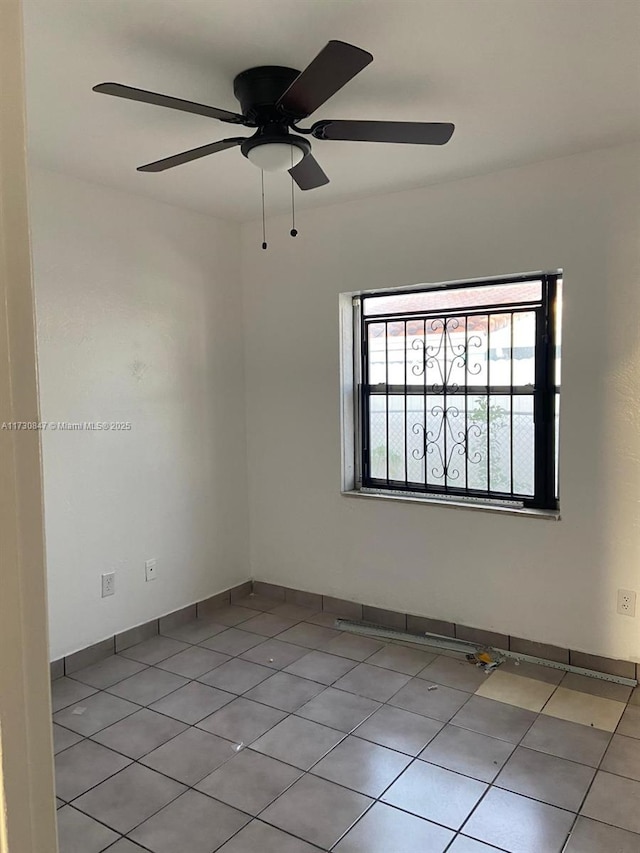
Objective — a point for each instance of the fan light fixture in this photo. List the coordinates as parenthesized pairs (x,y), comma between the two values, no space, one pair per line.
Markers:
(275,156)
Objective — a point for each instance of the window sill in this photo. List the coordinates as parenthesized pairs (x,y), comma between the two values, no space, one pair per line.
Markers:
(544,514)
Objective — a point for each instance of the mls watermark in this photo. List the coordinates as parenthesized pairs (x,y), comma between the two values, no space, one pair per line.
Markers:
(67,426)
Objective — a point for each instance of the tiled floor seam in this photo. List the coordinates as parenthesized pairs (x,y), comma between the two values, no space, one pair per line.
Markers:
(415,759)
(126,716)
(344,735)
(310,770)
(135,760)
(333,846)
(374,801)
(211,797)
(491,785)
(576,814)
(97,820)
(197,680)
(194,726)
(479,803)
(460,834)
(347,831)
(148,817)
(584,799)
(283,792)
(286,832)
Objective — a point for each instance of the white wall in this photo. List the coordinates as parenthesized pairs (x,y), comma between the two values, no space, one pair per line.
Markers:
(549,581)
(139,319)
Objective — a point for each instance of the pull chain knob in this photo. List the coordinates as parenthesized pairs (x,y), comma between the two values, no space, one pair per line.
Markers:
(264,233)
(294,231)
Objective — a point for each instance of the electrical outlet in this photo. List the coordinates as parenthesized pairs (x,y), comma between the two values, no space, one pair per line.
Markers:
(108,584)
(150,569)
(626,602)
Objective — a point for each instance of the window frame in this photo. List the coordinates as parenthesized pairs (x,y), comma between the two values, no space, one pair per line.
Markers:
(545,393)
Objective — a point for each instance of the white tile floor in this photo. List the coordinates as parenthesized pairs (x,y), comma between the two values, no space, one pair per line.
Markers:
(262,729)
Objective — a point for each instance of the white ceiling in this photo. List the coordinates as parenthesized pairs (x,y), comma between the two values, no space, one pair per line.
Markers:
(523,80)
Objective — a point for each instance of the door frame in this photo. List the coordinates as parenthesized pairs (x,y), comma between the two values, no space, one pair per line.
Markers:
(27,799)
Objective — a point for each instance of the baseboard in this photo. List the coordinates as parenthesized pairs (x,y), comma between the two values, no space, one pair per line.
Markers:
(347,610)
(105,648)
(421,624)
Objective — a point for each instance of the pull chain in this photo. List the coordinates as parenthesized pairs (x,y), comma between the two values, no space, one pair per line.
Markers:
(264,233)
(293,231)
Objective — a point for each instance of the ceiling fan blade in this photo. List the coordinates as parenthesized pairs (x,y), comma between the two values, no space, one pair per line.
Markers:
(132,94)
(335,65)
(308,173)
(193,154)
(410,132)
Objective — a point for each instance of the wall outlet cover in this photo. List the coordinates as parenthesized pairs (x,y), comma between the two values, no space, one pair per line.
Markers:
(108,584)
(626,602)
(150,569)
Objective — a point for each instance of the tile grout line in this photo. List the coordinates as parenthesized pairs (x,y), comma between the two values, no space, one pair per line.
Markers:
(292,713)
(491,784)
(378,798)
(519,744)
(352,732)
(302,774)
(275,672)
(588,791)
(289,713)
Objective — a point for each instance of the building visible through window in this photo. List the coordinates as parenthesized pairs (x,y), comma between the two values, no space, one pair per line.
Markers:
(458,391)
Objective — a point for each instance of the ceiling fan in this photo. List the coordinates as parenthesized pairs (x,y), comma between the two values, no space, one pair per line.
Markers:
(273,100)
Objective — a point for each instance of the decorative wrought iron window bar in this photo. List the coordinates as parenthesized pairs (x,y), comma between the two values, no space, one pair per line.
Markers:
(459,391)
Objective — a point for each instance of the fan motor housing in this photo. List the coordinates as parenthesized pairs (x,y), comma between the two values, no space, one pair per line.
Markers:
(259,88)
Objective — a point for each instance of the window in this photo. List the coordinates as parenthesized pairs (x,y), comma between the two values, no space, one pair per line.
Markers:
(458,391)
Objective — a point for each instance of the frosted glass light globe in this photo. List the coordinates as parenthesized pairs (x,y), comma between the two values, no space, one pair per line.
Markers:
(275,156)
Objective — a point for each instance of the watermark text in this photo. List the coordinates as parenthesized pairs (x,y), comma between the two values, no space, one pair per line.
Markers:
(67,426)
